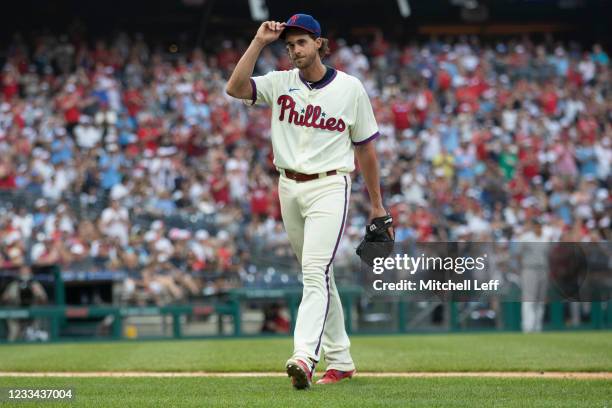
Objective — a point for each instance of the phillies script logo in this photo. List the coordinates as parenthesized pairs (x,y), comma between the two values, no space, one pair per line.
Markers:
(310,118)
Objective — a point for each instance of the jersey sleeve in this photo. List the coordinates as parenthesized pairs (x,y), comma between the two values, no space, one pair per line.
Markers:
(365,128)
(264,87)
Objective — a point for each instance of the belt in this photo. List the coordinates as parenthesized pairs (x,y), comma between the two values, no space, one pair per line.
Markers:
(299,177)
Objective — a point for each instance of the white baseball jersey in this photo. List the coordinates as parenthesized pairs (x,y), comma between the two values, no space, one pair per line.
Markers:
(314,128)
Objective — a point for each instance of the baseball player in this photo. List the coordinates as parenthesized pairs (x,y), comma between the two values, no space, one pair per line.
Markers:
(321,118)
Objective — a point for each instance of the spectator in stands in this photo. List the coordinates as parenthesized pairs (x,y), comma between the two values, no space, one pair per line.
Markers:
(476,136)
(24,291)
(274,320)
(534,269)
(115,222)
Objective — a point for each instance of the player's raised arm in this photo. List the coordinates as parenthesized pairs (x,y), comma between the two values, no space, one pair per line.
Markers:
(239,84)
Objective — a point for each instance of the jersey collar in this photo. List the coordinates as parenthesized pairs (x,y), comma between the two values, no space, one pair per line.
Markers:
(329,76)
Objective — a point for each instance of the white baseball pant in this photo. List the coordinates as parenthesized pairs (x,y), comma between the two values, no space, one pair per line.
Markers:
(314,213)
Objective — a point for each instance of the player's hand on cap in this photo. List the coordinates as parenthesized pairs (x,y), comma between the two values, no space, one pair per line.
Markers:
(269,31)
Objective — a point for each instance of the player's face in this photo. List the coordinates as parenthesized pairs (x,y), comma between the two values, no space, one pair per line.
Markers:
(303,50)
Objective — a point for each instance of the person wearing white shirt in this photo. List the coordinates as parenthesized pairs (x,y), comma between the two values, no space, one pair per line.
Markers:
(322,119)
(87,135)
(533,265)
(114,222)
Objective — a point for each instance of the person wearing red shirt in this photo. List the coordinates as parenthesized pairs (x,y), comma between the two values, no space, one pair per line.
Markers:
(587,128)
(379,46)
(401,114)
(422,102)
(10,85)
(422,220)
(444,80)
(133,100)
(224,255)
(530,163)
(480,139)
(148,135)
(467,96)
(549,100)
(219,187)
(18,115)
(518,187)
(7,176)
(573,75)
(260,200)
(68,103)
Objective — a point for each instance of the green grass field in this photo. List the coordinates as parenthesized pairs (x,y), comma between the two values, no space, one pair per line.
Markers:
(571,352)
(358,392)
(574,351)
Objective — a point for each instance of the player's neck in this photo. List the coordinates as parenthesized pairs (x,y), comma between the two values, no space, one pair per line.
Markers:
(313,73)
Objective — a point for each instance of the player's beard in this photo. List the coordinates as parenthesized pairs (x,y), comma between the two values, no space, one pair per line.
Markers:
(304,62)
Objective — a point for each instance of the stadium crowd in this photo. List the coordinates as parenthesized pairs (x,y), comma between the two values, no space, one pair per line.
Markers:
(102,147)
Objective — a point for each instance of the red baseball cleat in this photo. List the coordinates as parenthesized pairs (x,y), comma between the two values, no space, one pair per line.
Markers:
(333,376)
(300,373)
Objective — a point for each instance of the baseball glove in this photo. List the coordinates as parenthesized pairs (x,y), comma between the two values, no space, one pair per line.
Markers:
(378,241)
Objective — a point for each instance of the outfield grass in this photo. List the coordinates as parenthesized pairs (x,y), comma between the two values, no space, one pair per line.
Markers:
(358,392)
(584,351)
(575,351)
